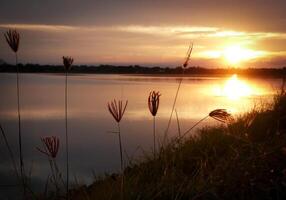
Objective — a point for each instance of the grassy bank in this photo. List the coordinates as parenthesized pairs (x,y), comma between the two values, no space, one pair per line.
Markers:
(245,159)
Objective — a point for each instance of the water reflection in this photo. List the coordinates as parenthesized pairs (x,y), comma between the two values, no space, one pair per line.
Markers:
(92,145)
(235,89)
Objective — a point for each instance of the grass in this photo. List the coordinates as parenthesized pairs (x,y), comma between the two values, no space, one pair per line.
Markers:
(51,148)
(13,40)
(117,109)
(67,61)
(153,104)
(245,159)
(184,66)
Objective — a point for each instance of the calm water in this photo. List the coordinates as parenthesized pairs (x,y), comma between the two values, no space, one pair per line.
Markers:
(93,146)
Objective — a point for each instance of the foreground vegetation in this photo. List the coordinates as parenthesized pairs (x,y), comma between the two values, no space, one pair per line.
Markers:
(245,159)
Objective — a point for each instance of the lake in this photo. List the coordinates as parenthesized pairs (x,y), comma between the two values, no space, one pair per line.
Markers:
(93,145)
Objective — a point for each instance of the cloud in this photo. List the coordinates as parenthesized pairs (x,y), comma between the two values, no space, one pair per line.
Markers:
(262,15)
(139,44)
(38,27)
(179,31)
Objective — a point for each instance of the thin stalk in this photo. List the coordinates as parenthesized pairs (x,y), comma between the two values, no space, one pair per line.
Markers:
(178,139)
(174,104)
(51,162)
(66,128)
(154,135)
(59,177)
(10,152)
(22,171)
(57,174)
(178,123)
(194,126)
(121,160)
(120,148)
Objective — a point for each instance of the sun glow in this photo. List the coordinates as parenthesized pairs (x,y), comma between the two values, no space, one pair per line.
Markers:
(233,54)
(236,54)
(234,89)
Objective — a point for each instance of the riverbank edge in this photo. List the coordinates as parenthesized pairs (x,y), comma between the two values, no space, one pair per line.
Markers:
(245,159)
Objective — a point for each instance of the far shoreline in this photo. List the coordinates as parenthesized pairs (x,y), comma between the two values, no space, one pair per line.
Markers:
(136,70)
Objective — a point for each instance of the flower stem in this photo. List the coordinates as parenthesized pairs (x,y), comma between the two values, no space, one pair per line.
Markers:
(194,126)
(22,171)
(154,135)
(174,104)
(66,129)
(120,148)
(121,161)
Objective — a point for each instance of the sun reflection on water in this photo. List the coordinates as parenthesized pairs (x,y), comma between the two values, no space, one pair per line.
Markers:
(235,89)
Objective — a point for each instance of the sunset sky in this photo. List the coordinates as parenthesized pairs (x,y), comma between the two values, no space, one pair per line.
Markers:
(241,33)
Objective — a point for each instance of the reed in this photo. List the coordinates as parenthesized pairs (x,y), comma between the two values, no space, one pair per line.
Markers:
(50,149)
(13,39)
(67,61)
(117,110)
(184,66)
(153,104)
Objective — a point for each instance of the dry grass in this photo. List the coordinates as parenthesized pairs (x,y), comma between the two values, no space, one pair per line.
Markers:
(185,65)
(237,160)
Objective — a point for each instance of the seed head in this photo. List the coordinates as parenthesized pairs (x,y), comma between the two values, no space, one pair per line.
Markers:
(221,115)
(116,109)
(153,102)
(51,146)
(13,39)
(67,62)
(188,56)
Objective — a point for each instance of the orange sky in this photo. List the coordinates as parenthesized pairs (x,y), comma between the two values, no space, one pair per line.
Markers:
(224,33)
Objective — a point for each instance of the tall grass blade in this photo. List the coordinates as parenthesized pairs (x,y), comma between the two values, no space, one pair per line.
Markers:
(67,61)
(117,110)
(11,154)
(13,39)
(185,65)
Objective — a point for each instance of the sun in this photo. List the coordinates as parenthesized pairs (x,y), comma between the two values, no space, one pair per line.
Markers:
(233,54)
(236,54)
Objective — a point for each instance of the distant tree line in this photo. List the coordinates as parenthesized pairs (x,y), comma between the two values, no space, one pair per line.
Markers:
(136,69)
